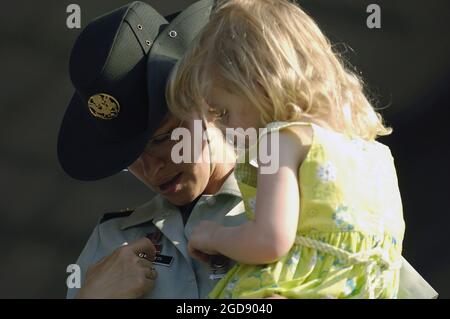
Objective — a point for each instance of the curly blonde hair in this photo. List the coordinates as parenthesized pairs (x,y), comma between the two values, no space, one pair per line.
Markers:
(274,55)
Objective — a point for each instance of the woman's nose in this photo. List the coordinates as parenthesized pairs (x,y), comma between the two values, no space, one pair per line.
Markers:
(152,164)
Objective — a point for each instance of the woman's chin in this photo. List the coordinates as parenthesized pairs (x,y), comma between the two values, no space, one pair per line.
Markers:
(180,198)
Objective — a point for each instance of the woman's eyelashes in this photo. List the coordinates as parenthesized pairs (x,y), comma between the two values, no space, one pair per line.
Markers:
(160,139)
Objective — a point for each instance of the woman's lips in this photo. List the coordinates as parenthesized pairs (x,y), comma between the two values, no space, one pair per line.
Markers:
(171,185)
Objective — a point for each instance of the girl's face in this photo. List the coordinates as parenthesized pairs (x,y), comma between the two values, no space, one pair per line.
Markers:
(234,111)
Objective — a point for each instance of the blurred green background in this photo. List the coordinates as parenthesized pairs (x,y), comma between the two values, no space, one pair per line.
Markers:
(46,217)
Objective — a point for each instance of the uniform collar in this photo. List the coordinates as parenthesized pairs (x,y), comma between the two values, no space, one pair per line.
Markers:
(229,187)
(159,207)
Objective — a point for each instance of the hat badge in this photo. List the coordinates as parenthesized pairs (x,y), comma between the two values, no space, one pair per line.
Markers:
(103,106)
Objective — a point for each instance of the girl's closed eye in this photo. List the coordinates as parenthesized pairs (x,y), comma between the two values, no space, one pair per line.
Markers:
(218,113)
(224,116)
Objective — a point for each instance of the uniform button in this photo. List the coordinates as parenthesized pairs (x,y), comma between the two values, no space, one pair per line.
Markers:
(201,202)
(211,201)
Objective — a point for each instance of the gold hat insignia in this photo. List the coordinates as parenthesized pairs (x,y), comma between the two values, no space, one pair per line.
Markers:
(104,106)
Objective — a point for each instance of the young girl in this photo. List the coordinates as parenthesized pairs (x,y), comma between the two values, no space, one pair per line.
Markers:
(328,223)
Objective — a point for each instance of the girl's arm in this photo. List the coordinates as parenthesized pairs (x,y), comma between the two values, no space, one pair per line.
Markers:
(272,233)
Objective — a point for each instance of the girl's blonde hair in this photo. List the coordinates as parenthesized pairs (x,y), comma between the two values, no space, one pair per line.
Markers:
(274,55)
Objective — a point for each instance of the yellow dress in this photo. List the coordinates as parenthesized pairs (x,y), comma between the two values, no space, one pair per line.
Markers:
(350,229)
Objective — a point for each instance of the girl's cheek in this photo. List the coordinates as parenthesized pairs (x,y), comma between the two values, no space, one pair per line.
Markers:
(232,121)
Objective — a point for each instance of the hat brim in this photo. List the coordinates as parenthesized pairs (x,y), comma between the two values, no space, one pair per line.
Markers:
(158,71)
(85,154)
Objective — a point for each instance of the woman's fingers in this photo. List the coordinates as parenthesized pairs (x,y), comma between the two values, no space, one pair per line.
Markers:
(123,274)
(149,269)
(145,247)
(151,274)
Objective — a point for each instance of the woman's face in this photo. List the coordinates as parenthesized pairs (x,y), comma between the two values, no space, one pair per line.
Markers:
(180,183)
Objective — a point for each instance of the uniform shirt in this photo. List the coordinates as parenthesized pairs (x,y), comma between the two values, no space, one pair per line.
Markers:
(185,277)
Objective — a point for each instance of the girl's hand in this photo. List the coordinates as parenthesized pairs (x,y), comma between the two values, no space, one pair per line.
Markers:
(201,244)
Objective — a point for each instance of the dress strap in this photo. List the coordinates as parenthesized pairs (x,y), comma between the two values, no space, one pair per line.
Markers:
(252,152)
(278,125)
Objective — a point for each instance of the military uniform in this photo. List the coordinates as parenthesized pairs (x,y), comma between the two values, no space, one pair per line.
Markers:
(179,276)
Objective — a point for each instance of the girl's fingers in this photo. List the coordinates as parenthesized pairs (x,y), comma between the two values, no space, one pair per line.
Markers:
(197,254)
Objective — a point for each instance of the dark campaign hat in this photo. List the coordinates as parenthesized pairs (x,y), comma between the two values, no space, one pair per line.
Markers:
(119,66)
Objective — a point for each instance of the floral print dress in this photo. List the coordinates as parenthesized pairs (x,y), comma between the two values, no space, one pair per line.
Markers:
(350,229)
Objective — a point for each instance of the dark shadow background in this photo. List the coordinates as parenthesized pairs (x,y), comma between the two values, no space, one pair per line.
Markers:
(46,217)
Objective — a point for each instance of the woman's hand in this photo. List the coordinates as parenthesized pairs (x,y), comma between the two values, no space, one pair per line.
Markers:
(201,243)
(123,274)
